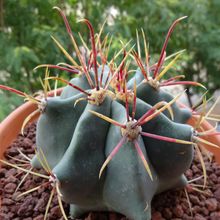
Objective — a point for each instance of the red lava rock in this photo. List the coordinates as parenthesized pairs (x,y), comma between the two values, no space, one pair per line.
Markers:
(12,152)
(209,169)
(27,207)
(11,172)
(171,205)
(178,211)
(39,217)
(41,205)
(194,199)
(29,184)
(2,172)
(205,211)
(11,179)
(113,216)
(211,204)
(6,201)
(195,169)
(189,173)
(213,178)
(14,208)
(157,216)
(55,212)
(217,194)
(27,143)
(218,206)
(187,217)
(8,216)
(215,216)
(10,187)
(167,213)
(197,209)
(37,179)
(5,209)
(199,217)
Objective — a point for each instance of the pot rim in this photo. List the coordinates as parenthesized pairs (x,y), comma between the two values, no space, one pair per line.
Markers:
(11,126)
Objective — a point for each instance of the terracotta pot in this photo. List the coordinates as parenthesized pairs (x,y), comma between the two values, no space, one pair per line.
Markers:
(205,126)
(213,139)
(11,126)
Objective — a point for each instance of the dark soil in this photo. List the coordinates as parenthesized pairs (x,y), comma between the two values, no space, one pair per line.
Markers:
(171,205)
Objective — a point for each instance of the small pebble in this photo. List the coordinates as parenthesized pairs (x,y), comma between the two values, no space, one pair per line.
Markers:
(211,204)
(10,187)
(178,211)
(157,216)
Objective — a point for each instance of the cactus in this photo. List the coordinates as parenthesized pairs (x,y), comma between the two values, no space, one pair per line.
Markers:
(109,143)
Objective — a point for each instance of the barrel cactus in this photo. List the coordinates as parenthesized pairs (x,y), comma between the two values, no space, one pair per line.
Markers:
(110,141)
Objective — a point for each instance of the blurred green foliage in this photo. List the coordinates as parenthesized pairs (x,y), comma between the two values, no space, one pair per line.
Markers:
(8,103)
(26,27)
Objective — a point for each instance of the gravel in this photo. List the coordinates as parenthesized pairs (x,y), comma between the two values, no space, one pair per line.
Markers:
(171,205)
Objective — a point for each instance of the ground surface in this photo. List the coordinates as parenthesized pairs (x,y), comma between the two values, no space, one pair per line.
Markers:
(171,205)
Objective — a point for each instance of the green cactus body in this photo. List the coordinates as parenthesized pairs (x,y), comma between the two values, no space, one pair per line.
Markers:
(79,81)
(55,128)
(79,149)
(78,170)
(85,155)
(138,78)
(91,128)
(76,151)
(152,96)
(126,176)
(164,155)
